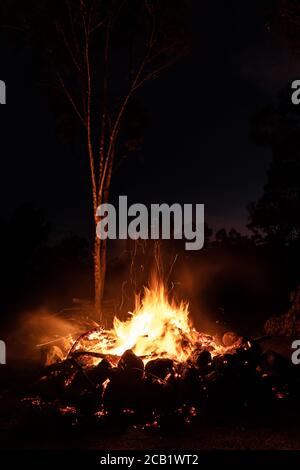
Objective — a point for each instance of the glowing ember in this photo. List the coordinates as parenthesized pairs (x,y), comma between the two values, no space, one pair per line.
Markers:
(156,328)
(159,327)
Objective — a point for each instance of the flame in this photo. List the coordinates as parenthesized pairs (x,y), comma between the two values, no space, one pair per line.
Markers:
(158,327)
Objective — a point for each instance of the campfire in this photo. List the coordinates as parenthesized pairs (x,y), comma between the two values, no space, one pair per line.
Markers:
(159,327)
(155,365)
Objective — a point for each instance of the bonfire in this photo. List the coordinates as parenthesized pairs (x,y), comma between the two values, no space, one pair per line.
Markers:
(154,364)
(159,327)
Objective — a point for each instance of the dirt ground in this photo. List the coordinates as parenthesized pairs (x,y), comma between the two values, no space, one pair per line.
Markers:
(211,438)
(274,434)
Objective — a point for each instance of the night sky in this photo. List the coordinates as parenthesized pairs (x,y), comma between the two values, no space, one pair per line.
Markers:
(197,146)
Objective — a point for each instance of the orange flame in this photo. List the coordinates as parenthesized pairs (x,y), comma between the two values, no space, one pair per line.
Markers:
(158,327)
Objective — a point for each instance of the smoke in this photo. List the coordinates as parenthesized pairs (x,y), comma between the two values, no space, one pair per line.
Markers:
(37,331)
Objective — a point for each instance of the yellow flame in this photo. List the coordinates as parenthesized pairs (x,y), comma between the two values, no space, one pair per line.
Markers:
(158,327)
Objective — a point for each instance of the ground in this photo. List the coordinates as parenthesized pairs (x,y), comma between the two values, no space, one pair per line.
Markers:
(275,433)
(209,438)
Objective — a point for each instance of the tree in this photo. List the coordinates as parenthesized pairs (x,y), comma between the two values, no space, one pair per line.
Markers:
(101,53)
(275,216)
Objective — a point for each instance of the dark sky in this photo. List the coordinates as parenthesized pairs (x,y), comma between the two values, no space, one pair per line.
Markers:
(197,146)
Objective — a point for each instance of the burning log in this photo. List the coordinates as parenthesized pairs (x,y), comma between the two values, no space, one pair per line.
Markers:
(131,365)
(100,373)
(204,362)
(229,338)
(125,387)
(155,367)
(226,385)
(159,368)
(51,355)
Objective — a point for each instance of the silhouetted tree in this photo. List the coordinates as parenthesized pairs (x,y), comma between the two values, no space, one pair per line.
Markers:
(101,54)
(275,216)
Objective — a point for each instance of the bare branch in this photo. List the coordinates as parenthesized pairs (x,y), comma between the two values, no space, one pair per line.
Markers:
(114,19)
(155,73)
(70,98)
(15,28)
(71,19)
(108,165)
(104,100)
(97,26)
(88,117)
(68,46)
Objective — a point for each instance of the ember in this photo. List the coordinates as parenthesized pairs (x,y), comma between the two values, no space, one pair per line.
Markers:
(158,328)
(156,371)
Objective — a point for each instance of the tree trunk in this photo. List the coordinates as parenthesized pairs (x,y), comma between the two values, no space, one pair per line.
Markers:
(97,278)
(99,275)
(103,246)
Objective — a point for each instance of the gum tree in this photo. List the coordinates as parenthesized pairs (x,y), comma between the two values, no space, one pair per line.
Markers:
(100,53)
